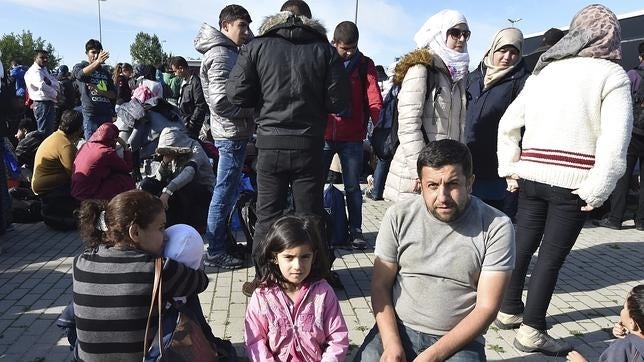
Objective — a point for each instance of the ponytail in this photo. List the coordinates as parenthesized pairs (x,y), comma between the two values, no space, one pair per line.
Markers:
(91,219)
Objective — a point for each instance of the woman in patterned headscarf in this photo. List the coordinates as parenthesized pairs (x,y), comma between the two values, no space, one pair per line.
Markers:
(577,113)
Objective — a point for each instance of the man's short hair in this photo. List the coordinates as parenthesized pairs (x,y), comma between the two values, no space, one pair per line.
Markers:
(346,32)
(178,61)
(40,51)
(28,124)
(231,13)
(93,44)
(71,122)
(445,152)
(297,7)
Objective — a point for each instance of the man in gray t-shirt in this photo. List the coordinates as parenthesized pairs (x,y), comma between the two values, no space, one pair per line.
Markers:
(443,260)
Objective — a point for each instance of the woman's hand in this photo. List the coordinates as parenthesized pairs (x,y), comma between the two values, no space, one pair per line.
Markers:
(586,208)
(513,183)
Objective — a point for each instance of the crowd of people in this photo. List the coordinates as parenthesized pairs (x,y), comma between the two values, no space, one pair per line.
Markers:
(491,165)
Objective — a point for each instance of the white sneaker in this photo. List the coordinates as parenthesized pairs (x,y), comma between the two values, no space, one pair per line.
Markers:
(508,321)
(529,339)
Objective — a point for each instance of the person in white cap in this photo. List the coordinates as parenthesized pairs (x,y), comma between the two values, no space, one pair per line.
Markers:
(432,97)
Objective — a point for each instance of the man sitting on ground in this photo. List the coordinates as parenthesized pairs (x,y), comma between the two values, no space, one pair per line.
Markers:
(443,260)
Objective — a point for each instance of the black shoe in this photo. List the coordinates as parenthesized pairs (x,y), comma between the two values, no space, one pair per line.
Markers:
(371,196)
(223,260)
(607,223)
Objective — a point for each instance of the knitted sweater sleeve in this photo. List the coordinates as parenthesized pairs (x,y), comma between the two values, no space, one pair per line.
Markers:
(509,133)
(616,123)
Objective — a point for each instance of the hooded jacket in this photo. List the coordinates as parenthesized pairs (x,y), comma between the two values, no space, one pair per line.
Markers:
(294,77)
(194,166)
(315,330)
(227,121)
(484,110)
(441,114)
(99,172)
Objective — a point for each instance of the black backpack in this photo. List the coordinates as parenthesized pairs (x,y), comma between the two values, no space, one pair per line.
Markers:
(384,137)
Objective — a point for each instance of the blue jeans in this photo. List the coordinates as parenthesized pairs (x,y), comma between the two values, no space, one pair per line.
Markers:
(380,176)
(224,196)
(351,160)
(45,114)
(92,121)
(414,343)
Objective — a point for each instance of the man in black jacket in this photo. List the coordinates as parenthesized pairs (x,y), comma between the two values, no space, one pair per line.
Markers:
(295,78)
(191,99)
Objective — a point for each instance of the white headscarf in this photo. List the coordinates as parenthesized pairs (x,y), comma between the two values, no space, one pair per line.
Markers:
(433,34)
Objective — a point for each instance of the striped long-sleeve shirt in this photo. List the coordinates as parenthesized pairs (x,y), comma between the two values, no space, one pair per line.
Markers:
(112,294)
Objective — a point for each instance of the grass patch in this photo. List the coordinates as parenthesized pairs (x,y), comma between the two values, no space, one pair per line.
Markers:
(496,348)
(576,333)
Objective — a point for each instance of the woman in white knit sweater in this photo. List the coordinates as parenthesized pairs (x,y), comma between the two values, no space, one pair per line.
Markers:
(577,113)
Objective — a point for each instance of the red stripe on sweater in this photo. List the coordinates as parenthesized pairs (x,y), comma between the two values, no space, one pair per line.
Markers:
(559,151)
(550,157)
(559,164)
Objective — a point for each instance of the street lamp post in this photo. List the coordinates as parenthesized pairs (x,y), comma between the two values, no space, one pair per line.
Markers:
(100,30)
(356,18)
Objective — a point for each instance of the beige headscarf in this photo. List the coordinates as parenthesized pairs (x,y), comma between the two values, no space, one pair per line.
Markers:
(594,33)
(493,73)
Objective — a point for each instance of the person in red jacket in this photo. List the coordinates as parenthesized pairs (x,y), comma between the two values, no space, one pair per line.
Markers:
(99,172)
(346,131)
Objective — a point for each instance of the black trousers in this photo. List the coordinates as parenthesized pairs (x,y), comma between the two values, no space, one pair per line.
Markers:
(618,198)
(303,171)
(548,218)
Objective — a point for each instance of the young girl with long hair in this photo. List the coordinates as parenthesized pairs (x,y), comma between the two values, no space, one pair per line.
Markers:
(294,315)
(113,277)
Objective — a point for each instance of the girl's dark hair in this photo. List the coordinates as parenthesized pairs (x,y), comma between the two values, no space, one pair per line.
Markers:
(124,210)
(286,233)
(635,305)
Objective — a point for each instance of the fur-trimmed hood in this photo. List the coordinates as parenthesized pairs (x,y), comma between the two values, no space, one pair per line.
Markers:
(292,27)
(419,56)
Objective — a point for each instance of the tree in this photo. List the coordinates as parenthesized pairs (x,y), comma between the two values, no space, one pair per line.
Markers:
(21,47)
(146,49)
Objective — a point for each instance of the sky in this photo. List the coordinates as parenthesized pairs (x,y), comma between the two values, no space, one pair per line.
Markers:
(387,27)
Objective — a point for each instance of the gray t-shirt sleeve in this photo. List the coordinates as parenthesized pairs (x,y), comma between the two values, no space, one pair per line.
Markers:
(387,240)
(500,246)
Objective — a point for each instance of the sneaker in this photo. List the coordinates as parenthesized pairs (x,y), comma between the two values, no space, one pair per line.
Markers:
(249,287)
(223,260)
(607,223)
(370,195)
(529,339)
(508,321)
(358,242)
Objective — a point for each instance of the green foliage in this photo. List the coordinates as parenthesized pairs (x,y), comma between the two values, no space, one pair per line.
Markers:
(146,49)
(21,47)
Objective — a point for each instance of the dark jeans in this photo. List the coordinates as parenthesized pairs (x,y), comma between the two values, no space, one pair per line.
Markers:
(188,205)
(45,116)
(414,343)
(380,177)
(618,198)
(91,122)
(549,218)
(276,170)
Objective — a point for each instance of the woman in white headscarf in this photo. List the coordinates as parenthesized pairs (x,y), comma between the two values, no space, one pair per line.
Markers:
(562,144)
(431,100)
(490,89)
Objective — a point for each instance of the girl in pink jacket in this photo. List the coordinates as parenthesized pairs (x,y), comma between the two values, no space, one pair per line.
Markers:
(294,314)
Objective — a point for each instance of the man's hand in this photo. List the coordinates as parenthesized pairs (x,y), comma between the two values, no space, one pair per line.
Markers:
(619,330)
(394,353)
(102,57)
(428,355)
(164,200)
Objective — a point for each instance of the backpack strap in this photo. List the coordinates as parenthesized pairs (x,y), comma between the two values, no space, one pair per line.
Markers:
(156,296)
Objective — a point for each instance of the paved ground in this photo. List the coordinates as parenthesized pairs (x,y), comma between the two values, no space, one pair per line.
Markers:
(35,285)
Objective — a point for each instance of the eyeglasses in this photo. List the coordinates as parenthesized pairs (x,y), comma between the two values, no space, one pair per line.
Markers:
(456,34)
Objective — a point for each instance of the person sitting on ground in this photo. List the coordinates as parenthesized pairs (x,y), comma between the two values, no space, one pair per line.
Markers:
(29,139)
(113,277)
(99,172)
(292,288)
(443,260)
(53,167)
(629,346)
(184,179)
